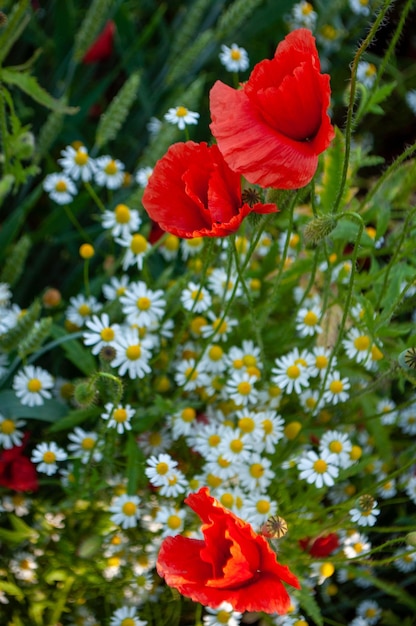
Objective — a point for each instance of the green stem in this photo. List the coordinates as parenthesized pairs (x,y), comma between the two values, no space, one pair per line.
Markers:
(86,277)
(4,134)
(350,111)
(76,224)
(94,196)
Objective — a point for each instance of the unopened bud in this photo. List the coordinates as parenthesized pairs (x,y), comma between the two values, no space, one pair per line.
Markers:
(319,228)
(411,539)
(85,393)
(274,528)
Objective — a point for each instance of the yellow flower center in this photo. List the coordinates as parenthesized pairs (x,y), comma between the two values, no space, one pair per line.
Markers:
(7,427)
(128,621)
(122,214)
(223,462)
(197,295)
(336,386)
(220,326)
(311,402)
(227,500)
(267,426)
(34,385)
(249,360)
(263,506)
(320,466)
(244,388)
(310,319)
(307,8)
(371,70)
(223,617)
(213,440)
(191,373)
(84,310)
(188,414)
(143,303)
(321,362)
(256,470)
(49,457)
(81,158)
(358,547)
(336,446)
(88,443)
(329,32)
(362,342)
(246,424)
(107,334)
(181,111)
(174,522)
(171,243)
(138,244)
(293,371)
(376,353)
(133,353)
(111,168)
(61,186)
(162,468)
(120,415)
(326,569)
(129,508)
(294,240)
(235,55)
(236,446)
(215,353)
(213,481)
(155,439)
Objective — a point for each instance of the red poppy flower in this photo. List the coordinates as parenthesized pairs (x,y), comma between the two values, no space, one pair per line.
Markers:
(321,546)
(102,48)
(273,128)
(17,472)
(193,193)
(232,563)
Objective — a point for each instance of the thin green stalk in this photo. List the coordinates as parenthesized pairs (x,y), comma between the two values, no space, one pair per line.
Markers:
(86,277)
(76,224)
(272,296)
(4,134)
(350,111)
(94,196)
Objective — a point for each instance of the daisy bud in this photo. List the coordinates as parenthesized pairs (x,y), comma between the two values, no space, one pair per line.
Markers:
(411,539)
(86,251)
(51,298)
(319,228)
(292,430)
(85,393)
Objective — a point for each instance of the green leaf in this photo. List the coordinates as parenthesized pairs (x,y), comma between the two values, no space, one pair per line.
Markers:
(75,351)
(74,418)
(135,464)
(29,85)
(309,605)
(379,96)
(11,407)
(11,590)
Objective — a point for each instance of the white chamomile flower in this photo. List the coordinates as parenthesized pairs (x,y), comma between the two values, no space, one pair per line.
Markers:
(116,287)
(137,247)
(153,126)
(388,411)
(126,616)
(319,470)
(60,188)
(290,373)
(132,354)
(357,345)
(366,511)
(407,420)
(307,321)
(81,308)
(240,387)
(234,58)
(142,176)
(122,221)
(32,385)
(142,306)
(158,467)
(303,15)
(337,444)
(191,247)
(355,545)
(10,435)
(77,164)
(387,489)
(84,445)
(171,519)
(235,446)
(169,247)
(405,559)
(191,376)
(181,116)
(258,508)
(366,73)
(256,474)
(5,294)
(47,455)
(118,417)
(195,298)
(101,332)
(370,611)
(183,422)
(336,389)
(223,615)
(214,359)
(109,172)
(218,327)
(125,511)
(360,7)
(224,284)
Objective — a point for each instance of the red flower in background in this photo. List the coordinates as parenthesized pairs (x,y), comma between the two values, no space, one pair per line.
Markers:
(232,563)
(273,129)
(102,48)
(321,546)
(17,472)
(193,193)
